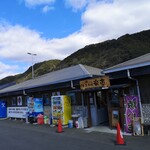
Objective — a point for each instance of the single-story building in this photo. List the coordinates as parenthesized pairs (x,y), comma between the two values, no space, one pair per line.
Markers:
(62,82)
(116,94)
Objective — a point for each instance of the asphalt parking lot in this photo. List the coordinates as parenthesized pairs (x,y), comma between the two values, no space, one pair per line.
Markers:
(17,135)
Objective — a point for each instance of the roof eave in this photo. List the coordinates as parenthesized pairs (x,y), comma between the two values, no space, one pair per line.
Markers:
(50,83)
(126,67)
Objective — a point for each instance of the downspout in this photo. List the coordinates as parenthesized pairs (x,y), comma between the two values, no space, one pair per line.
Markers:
(24,92)
(72,86)
(138,92)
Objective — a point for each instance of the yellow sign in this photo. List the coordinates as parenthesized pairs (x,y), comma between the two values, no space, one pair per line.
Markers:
(96,82)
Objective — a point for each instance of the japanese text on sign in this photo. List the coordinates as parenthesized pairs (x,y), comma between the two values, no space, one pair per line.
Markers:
(93,83)
(17,112)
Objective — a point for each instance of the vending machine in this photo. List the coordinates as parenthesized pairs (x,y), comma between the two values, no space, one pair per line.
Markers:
(61,108)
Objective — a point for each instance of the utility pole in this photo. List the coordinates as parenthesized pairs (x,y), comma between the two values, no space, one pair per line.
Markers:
(32,64)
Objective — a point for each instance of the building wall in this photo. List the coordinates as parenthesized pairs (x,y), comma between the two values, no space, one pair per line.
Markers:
(13,101)
(144,84)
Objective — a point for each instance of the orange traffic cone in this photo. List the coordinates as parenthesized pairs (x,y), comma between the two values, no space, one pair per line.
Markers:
(119,137)
(59,128)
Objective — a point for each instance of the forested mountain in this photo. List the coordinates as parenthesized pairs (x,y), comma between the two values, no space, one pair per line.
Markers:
(100,55)
(112,52)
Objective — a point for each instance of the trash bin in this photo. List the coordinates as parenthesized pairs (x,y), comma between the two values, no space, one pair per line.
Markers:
(50,120)
(40,119)
(70,124)
(80,122)
(45,119)
(27,117)
(31,119)
(85,122)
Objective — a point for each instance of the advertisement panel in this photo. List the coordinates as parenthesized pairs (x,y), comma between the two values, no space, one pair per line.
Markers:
(35,106)
(17,112)
(132,110)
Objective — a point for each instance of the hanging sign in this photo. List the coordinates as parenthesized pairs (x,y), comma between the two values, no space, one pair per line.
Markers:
(94,83)
(132,110)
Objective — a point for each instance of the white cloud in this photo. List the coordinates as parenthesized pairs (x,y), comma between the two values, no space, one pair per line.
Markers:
(47,9)
(17,41)
(31,3)
(111,20)
(76,4)
(107,19)
(7,70)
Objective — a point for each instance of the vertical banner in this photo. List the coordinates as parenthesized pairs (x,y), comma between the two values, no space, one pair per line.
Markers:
(30,104)
(3,109)
(38,106)
(132,110)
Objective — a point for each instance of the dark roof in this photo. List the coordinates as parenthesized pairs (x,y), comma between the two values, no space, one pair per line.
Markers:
(141,61)
(68,74)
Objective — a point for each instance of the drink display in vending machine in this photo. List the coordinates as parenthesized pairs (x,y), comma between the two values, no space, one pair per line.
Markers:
(61,108)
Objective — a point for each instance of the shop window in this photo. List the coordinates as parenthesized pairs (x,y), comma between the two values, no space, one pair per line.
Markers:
(73,97)
(133,90)
(99,94)
(14,101)
(115,98)
(91,98)
(46,100)
(26,100)
(19,100)
(57,93)
(101,99)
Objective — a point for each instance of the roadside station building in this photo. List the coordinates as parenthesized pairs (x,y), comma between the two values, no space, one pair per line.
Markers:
(116,94)
(62,82)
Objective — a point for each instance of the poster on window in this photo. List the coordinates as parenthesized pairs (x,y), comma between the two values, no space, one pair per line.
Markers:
(19,100)
(35,106)
(132,110)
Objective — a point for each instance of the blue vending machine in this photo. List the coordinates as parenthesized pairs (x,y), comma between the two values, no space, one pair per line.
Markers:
(3,109)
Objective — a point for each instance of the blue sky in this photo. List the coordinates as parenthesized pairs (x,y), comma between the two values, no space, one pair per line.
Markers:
(54,29)
(56,22)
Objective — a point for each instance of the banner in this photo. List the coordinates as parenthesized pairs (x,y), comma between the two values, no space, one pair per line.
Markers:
(17,112)
(132,110)
(3,109)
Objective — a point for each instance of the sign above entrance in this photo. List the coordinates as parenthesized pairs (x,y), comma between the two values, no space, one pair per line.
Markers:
(94,83)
